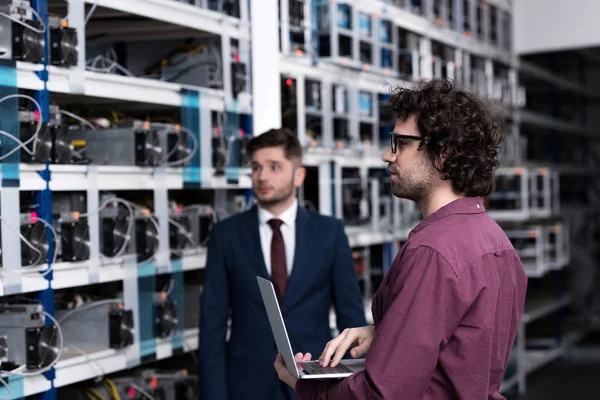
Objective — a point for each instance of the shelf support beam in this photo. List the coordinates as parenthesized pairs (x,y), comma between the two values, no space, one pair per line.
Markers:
(77,21)
(266,102)
(45,197)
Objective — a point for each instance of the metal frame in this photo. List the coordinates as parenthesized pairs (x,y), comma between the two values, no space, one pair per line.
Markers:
(331,27)
(390,46)
(534,257)
(45,197)
(545,200)
(520,213)
(327,144)
(558,239)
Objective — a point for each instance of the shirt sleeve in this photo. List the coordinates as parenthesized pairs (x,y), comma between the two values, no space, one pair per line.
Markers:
(425,304)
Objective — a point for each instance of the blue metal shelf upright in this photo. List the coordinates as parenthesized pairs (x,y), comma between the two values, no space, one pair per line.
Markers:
(44,198)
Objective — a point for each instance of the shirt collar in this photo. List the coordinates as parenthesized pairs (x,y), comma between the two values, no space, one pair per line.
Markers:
(288,216)
(464,205)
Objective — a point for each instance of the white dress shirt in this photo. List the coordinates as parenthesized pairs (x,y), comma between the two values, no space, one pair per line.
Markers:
(288,231)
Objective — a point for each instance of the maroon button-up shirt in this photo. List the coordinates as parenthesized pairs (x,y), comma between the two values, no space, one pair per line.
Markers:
(446,314)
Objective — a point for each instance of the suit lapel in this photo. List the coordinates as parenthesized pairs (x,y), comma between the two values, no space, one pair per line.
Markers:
(254,248)
(295,279)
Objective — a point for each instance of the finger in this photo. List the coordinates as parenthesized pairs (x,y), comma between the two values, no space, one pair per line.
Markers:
(299,357)
(331,346)
(307,357)
(279,360)
(360,349)
(342,349)
(323,352)
(324,357)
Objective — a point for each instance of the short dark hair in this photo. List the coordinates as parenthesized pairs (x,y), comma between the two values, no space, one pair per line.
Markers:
(283,137)
(458,125)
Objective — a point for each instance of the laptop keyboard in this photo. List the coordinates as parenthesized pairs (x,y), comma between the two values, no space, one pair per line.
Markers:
(313,368)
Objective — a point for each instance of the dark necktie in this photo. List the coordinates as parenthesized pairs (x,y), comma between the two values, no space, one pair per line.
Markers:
(278,263)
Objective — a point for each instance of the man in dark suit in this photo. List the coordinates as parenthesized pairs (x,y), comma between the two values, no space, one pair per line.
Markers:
(307,257)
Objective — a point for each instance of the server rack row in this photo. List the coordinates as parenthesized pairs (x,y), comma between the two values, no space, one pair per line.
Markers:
(118,233)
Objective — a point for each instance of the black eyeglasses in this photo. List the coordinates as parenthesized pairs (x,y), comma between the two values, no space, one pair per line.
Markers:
(395,136)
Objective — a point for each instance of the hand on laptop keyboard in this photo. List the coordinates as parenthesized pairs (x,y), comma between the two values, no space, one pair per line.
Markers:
(336,348)
(314,368)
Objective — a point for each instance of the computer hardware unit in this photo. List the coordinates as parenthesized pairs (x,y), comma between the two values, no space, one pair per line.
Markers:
(96,328)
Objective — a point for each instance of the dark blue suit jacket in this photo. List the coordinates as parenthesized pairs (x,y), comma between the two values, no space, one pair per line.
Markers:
(322,275)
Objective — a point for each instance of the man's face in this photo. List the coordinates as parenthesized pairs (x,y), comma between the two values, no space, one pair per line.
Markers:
(274,177)
(412,174)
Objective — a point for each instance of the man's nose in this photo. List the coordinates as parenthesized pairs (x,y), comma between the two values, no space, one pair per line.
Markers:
(263,176)
(388,156)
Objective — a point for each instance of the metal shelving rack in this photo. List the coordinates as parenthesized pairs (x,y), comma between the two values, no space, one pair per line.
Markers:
(196,105)
(469,41)
(337,93)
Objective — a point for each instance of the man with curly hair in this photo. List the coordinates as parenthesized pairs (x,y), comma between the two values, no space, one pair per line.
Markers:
(447,312)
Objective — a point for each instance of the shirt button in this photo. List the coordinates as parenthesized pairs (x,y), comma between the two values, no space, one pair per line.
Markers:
(477,205)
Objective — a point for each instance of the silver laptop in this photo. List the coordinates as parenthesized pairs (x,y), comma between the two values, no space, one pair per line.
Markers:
(302,370)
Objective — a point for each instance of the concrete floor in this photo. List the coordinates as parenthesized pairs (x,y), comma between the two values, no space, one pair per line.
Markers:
(576,376)
(564,381)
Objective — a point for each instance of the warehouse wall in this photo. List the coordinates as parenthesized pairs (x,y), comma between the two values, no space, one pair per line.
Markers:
(548,25)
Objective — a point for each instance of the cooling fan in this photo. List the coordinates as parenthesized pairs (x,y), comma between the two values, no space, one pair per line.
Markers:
(63,46)
(180,239)
(158,393)
(353,196)
(42,142)
(115,235)
(3,348)
(146,238)
(121,328)
(62,149)
(148,148)
(238,78)
(75,239)
(237,152)
(178,144)
(27,44)
(41,346)
(244,156)
(219,154)
(186,390)
(201,221)
(36,235)
(166,318)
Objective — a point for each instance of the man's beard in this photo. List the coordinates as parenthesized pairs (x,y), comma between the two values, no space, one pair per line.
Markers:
(416,185)
(281,196)
(414,192)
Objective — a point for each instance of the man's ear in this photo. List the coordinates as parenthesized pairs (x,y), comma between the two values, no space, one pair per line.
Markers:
(439,162)
(299,176)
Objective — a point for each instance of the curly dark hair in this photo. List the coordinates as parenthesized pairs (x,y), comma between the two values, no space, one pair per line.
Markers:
(461,134)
